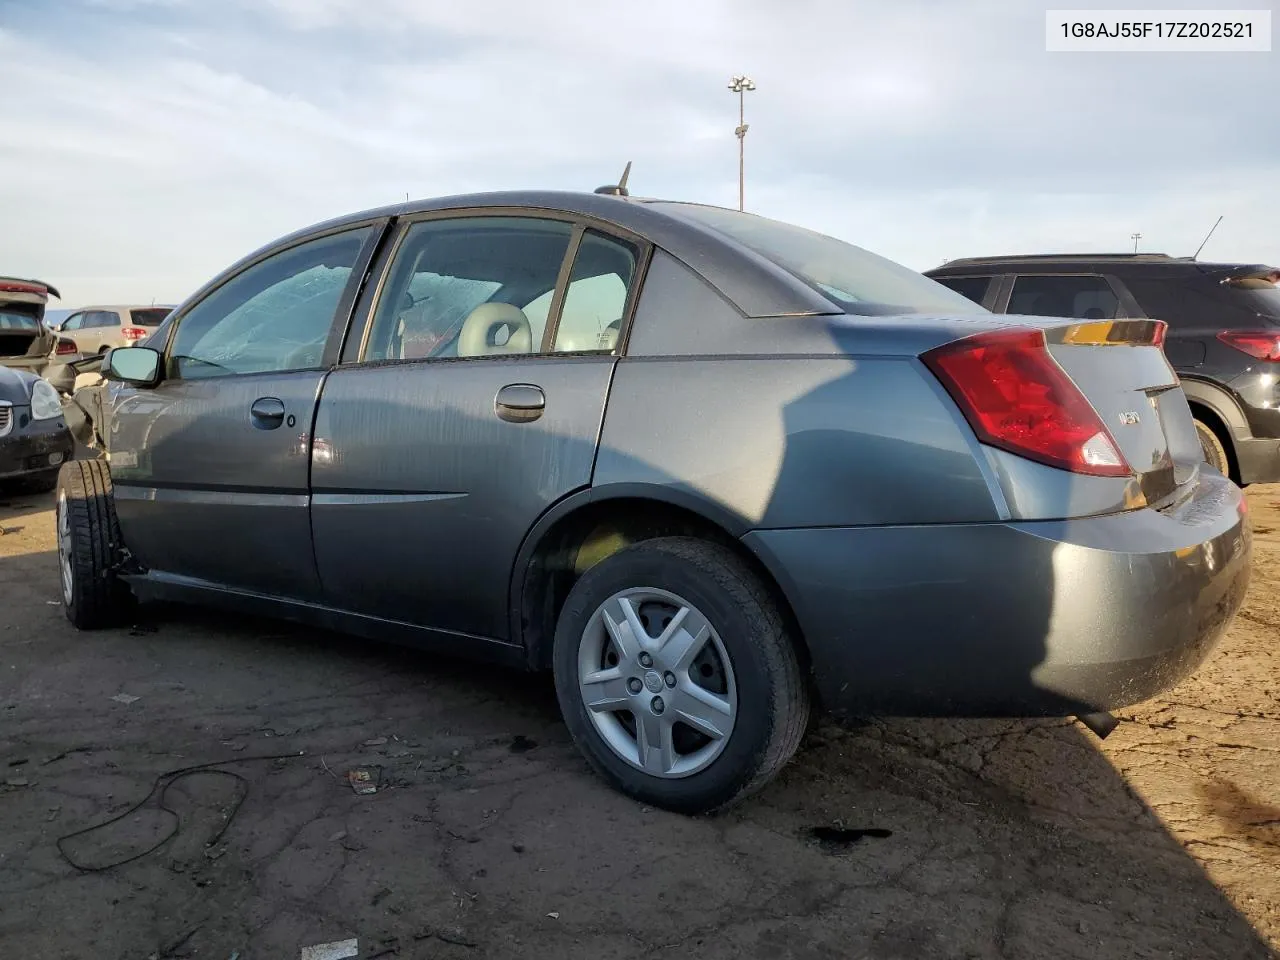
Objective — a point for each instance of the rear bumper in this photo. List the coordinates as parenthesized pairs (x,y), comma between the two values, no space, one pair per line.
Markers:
(1258,459)
(33,448)
(1047,618)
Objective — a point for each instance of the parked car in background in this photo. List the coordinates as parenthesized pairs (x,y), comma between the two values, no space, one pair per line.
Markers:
(25,341)
(34,438)
(1223,335)
(97,329)
(706,468)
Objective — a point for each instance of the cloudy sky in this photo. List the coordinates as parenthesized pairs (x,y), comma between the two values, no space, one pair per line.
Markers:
(149,143)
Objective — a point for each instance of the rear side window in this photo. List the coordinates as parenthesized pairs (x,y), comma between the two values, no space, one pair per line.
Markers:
(1259,293)
(468,287)
(594,301)
(149,317)
(855,280)
(1084,297)
(1191,299)
(974,288)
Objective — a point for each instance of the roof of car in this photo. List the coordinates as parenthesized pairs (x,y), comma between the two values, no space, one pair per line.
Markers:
(757,286)
(1158,263)
(123,306)
(1073,258)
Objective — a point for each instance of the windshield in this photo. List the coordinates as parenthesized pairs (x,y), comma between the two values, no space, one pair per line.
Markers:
(1260,294)
(854,279)
(18,321)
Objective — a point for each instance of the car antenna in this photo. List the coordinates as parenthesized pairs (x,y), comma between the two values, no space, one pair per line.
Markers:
(620,190)
(1206,239)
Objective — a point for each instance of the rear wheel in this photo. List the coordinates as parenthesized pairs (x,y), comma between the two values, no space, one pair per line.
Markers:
(1215,452)
(677,677)
(89,545)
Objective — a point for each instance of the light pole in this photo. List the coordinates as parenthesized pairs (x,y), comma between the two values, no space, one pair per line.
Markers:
(740,85)
(1135,237)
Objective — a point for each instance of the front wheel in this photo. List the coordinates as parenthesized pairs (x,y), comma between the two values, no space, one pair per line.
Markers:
(89,546)
(677,677)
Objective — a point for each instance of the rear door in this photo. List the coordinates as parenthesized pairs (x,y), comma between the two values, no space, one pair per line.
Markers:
(211,467)
(472,403)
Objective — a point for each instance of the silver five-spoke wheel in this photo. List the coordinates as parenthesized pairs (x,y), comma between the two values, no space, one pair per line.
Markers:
(657,682)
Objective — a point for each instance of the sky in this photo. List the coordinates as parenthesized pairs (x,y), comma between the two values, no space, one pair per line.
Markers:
(150,143)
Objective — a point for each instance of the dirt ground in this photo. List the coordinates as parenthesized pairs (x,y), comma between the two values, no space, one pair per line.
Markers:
(488,837)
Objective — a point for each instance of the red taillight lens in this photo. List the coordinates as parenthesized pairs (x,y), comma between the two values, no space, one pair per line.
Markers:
(1256,343)
(1017,398)
(64,347)
(134,333)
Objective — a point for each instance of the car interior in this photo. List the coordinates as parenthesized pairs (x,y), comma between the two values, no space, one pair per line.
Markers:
(486,292)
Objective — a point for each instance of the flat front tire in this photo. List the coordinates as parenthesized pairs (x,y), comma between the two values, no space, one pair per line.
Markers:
(89,545)
(677,676)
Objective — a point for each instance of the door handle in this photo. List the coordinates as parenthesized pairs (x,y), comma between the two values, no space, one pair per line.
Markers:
(267,413)
(520,402)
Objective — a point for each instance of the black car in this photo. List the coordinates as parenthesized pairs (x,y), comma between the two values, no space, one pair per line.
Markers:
(34,439)
(1223,336)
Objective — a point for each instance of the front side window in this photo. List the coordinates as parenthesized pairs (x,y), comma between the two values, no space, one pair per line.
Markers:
(274,316)
(855,280)
(73,322)
(1085,297)
(468,287)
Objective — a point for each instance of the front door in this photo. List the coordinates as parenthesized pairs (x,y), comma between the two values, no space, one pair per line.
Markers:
(211,467)
(476,404)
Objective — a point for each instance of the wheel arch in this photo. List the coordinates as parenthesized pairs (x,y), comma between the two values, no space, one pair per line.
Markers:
(590,525)
(1209,397)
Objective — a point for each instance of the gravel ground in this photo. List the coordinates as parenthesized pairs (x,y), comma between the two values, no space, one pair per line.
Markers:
(488,837)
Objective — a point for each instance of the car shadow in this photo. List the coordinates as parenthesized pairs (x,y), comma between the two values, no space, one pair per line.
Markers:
(884,838)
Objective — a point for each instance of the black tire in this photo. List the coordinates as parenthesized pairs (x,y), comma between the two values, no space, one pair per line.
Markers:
(1214,450)
(773,700)
(91,542)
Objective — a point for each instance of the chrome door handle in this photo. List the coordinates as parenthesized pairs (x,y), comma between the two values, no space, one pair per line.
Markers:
(520,402)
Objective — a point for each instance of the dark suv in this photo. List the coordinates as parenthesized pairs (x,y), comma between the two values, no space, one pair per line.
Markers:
(1223,338)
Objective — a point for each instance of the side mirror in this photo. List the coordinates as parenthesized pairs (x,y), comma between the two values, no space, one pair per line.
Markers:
(139,366)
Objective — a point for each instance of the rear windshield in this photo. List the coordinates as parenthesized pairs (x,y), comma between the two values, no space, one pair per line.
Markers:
(855,280)
(151,317)
(18,321)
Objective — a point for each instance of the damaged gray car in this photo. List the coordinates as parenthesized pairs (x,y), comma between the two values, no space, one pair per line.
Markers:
(710,470)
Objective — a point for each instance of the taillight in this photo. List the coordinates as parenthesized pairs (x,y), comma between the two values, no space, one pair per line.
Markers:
(1256,343)
(64,347)
(1016,397)
(133,333)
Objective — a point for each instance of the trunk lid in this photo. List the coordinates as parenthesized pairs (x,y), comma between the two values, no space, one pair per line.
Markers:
(1121,368)
(24,340)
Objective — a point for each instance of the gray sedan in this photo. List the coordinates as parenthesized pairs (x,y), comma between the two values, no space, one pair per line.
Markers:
(711,470)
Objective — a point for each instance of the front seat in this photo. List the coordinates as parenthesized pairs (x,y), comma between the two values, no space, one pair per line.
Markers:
(480,331)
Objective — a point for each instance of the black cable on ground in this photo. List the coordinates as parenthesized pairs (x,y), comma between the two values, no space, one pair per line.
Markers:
(162,784)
